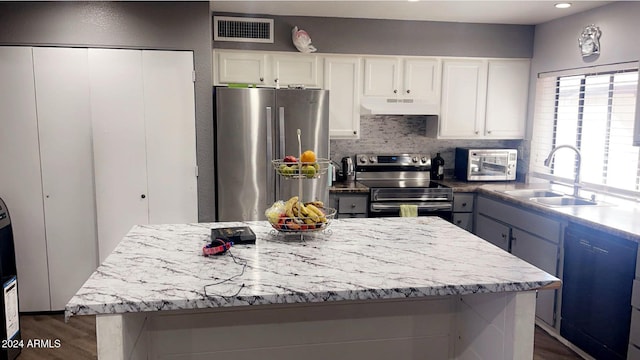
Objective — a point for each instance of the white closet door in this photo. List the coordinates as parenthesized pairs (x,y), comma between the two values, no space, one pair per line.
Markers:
(64,125)
(20,184)
(171,146)
(119,148)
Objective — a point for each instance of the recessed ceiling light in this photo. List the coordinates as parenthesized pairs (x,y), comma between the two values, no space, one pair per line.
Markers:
(563,5)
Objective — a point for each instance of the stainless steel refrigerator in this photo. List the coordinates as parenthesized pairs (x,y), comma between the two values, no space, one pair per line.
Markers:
(255,126)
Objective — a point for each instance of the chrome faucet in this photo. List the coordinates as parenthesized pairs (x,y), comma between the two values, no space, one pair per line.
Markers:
(576,181)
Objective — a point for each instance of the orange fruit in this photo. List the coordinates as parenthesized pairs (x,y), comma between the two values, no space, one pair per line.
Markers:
(308,157)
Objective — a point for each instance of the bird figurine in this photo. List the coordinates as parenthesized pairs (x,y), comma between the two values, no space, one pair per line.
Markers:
(302,40)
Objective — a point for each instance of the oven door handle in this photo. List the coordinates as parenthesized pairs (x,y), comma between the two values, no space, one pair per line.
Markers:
(424,207)
(377,197)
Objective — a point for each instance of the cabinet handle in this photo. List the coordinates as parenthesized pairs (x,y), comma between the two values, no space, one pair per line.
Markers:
(504,236)
(353,206)
(408,91)
(488,131)
(355,132)
(276,80)
(477,132)
(261,79)
(464,204)
(459,222)
(395,91)
(513,238)
(143,196)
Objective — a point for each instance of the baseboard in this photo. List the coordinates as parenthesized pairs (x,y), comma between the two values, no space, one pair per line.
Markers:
(556,335)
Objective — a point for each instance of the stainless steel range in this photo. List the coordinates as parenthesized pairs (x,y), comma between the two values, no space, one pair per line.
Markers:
(402,179)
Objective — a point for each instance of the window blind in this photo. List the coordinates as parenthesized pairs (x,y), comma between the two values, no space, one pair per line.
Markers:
(595,112)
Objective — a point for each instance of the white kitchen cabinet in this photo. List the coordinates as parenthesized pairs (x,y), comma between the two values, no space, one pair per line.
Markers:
(484,98)
(20,177)
(507,96)
(342,79)
(298,69)
(240,67)
(143,118)
(405,78)
(269,69)
(49,183)
(463,98)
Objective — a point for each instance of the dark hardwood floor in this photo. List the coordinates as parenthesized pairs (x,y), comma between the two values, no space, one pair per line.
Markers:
(78,339)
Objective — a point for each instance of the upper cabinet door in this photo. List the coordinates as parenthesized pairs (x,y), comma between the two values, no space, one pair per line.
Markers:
(64,126)
(298,69)
(422,80)
(381,76)
(342,79)
(463,99)
(242,67)
(507,97)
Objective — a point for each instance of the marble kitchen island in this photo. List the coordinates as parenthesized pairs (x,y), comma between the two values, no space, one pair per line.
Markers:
(378,288)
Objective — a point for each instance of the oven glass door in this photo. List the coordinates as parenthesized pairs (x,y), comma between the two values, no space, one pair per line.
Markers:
(489,164)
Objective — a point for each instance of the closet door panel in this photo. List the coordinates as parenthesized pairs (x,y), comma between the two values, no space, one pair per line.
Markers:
(119,145)
(64,125)
(20,175)
(170,128)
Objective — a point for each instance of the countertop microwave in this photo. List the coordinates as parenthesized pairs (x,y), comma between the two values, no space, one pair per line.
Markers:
(478,164)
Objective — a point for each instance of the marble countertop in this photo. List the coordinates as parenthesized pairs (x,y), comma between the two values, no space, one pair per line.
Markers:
(161,267)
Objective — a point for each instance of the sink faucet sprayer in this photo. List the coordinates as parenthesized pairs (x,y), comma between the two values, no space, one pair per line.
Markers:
(576,181)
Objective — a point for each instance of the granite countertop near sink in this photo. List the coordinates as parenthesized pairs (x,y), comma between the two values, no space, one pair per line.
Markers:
(614,216)
(348,187)
(161,267)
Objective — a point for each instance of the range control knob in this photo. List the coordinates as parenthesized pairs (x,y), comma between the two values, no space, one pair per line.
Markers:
(414,159)
(423,159)
(363,159)
(372,159)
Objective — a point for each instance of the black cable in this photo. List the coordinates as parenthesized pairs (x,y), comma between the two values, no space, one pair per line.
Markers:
(244,266)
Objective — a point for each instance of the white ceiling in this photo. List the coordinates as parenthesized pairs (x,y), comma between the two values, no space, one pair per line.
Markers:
(494,12)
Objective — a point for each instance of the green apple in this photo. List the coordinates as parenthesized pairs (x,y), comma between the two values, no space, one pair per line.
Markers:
(309,171)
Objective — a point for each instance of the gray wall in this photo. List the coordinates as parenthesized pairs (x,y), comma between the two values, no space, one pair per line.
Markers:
(556,44)
(137,25)
(396,37)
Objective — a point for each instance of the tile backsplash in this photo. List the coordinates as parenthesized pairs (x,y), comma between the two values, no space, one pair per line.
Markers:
(406,134)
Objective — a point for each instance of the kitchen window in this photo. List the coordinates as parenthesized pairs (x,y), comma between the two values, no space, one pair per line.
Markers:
(594,110)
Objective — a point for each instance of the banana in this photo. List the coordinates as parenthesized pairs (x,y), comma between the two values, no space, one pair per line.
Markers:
(288,206)
(309,221)
(310,214)
(318,213)
(316,203)
(288,211)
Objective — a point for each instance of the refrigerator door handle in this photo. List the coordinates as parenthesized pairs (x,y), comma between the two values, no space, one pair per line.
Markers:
(281,132)
(269,152)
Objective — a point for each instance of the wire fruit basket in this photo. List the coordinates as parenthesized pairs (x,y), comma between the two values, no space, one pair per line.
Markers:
(301,170)
(295,216)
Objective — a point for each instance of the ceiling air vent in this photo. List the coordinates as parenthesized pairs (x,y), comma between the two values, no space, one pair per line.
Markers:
(242,29)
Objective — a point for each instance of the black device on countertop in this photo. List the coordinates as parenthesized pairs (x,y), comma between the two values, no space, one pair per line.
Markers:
(239,235)
(11,337)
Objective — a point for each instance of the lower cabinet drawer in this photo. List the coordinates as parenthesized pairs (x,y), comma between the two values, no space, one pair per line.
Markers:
(464,220)
(352,204)
(349,216)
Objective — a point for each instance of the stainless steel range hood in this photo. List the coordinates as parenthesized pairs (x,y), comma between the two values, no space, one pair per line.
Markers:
(391,106)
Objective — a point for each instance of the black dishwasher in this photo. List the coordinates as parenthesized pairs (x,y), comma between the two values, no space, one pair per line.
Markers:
(596,291)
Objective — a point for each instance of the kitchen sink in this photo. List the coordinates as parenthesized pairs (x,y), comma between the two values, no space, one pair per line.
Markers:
(532,193)
(562,201)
